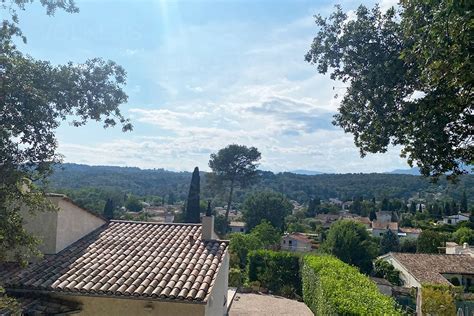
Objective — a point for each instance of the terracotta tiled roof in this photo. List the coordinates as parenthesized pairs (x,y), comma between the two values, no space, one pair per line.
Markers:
(410,230)
(428,268)
(381,225)
(300,237)
(151,260)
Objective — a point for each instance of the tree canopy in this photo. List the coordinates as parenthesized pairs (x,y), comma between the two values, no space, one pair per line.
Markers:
(409,79)
(350,242)
(270,206)
(234,165)
(35,96)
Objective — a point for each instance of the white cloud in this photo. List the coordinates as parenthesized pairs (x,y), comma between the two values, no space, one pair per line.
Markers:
(256,92)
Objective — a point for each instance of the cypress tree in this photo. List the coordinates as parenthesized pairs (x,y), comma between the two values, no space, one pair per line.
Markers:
(311,212)
(372,215)
(464,202)
(413,207)
(109,209)
(192,206)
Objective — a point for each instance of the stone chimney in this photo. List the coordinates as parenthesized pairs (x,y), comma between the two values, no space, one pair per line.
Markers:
(207,229)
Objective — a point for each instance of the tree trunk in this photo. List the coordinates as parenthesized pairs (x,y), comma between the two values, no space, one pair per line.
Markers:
(229,202)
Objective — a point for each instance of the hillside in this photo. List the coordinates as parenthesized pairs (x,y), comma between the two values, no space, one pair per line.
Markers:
(160,182)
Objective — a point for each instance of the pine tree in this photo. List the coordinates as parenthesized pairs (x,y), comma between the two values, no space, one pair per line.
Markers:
(385,204)
(109,209)
(463,207)
(420,208)
(192,206)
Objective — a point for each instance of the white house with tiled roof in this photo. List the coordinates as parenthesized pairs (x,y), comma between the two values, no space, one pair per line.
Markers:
(296,242)
(133,268)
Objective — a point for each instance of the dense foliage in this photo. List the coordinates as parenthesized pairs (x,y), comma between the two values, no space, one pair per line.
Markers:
(410,79)
(429,241)
(36,96)
(438,300)
(350,242)
(267,205)
(384,270)
(233,166)
(389,242)
(174,186)
(331,287)
(277,271)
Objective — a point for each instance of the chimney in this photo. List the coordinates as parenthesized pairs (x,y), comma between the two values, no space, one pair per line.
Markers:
(207,229)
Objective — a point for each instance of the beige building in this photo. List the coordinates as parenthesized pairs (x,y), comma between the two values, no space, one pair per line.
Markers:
(296,242)
(237,227)
(379,228)
(58,229)
(123,268)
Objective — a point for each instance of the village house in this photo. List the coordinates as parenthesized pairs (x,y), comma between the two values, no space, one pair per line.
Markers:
(454,219)
(327,219)
(296,242)
(379,228)
(237,227)
(419,268)
(121,267)
(409,232)
(453,248)
(384,216)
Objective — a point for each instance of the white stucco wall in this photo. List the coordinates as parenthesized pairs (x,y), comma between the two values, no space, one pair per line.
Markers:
(73,224)
(217,302)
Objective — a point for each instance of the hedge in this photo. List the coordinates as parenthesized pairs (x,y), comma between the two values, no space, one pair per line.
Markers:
(332,287)
(277,271)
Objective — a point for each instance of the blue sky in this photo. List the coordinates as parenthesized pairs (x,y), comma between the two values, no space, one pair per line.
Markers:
(202,75)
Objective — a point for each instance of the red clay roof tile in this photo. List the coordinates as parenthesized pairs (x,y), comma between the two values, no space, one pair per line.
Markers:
(133,259)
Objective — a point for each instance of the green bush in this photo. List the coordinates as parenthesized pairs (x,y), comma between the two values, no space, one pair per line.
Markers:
(235,277)
(438,300)
(277,271)
(332,287)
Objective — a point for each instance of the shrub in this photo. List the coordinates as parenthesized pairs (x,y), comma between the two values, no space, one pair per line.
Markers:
(277,271)
(332,287)
(235,277)
(437,300)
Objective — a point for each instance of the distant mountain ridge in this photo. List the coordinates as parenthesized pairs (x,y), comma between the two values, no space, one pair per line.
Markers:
(413,171)
(306,172)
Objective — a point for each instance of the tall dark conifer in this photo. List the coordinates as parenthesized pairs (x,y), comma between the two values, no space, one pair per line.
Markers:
(463,207)
(192,206)
(109,209)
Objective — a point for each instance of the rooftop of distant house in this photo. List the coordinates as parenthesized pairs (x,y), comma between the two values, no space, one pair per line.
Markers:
(382,225)
(237,224)
(132,259)
(429,268)
(299,236)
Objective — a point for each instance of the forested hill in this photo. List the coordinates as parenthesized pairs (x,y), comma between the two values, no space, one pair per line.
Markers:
(159,182)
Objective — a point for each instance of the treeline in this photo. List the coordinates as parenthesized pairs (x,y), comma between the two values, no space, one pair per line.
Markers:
(93,184)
